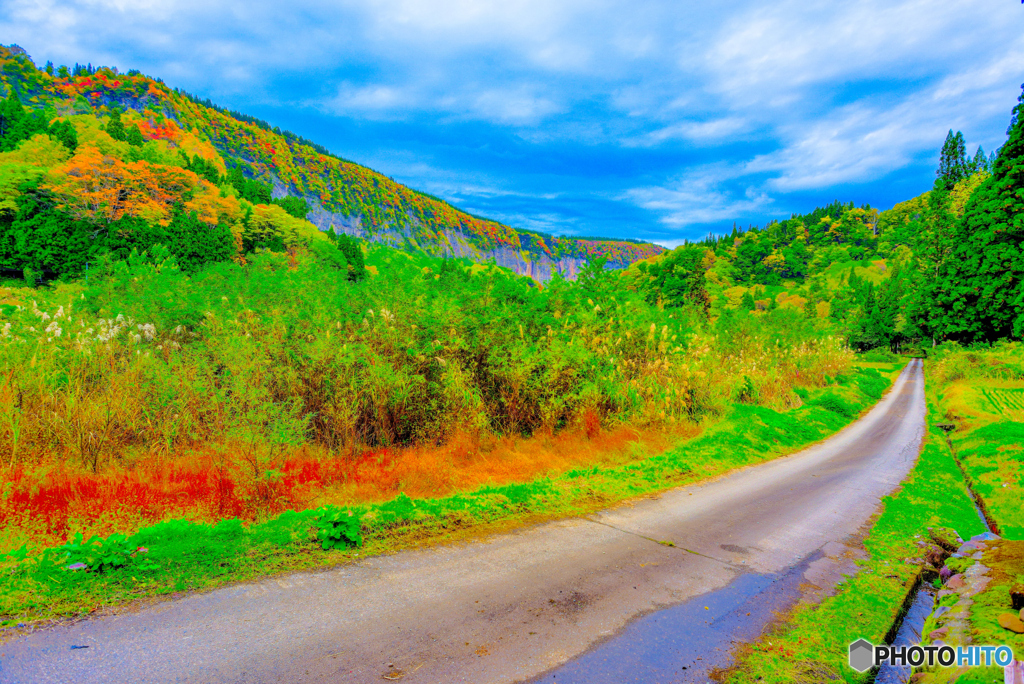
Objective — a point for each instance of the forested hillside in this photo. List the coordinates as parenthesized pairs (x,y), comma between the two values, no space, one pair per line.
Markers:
(946,265)
(95,164)
(123,159)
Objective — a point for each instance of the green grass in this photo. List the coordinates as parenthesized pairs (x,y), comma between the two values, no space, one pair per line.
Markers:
(993,457)
(1003,400)
(182,556)
(867,603)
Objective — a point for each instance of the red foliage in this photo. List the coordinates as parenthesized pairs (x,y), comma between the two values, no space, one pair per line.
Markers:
(202,492)
(168,130)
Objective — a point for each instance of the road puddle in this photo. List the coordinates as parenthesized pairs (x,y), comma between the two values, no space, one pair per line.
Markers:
(686,642)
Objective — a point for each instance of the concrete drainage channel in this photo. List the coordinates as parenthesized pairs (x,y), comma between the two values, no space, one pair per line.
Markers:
(949,625)
(908,633)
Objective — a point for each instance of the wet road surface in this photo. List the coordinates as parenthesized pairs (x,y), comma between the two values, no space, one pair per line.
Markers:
(517,607)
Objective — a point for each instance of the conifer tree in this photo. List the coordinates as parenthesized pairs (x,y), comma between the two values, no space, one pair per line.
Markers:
(11,113)
(64,132)
(134,136)
(983,283)
(980,161)
(115,127)
(952,161)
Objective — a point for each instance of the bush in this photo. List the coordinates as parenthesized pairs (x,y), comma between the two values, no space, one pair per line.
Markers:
(338,528)
(831,401)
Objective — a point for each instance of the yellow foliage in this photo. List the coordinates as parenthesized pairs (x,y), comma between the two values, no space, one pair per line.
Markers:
(269,220)
(90,135)
(212,208)
(961,192)
(774,262)
(191,144)
(824,308)
(41,150)
(12,175)
(733,295)
(902,213)
(793,302)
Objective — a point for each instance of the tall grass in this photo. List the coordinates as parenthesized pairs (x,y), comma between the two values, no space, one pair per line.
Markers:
(282,360)
(94,570)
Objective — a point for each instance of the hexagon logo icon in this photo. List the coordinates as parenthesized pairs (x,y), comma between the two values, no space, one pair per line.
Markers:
(862,655)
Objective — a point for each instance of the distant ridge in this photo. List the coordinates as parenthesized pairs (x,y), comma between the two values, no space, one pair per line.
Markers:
(343,196)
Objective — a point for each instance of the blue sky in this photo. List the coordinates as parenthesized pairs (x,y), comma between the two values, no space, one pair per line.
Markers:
(651,120)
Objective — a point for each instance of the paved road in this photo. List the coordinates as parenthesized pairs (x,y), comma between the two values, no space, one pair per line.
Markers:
(509,608)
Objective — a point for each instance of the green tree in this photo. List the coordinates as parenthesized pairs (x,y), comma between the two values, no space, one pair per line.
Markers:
(982,284)
(979,163)
(247,188)
(296,206)
(195,244)
(811,309)
(115,127)
(46,241)
(65,133)
(952,161)
(134,136)
(11,113)
(679,278)
(353,253)
(17,124)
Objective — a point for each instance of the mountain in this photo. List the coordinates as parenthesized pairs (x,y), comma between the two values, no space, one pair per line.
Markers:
(342,196)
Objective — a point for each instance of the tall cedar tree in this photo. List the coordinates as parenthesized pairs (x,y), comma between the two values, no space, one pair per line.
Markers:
(952,161)
(984,279)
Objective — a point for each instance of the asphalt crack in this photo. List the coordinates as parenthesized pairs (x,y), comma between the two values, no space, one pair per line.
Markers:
(670,544)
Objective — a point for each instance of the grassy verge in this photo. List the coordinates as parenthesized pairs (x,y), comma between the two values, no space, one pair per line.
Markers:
(176,556)
(866,604)
(993,457)
(982,393)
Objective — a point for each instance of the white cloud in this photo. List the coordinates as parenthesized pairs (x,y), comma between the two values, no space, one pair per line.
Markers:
(864,140)
(797,94)
(517,106)
(370,99)
(706,132)
(767,54)
(700,197)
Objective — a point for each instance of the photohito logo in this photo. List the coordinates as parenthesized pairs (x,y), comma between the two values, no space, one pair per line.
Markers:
(864,655)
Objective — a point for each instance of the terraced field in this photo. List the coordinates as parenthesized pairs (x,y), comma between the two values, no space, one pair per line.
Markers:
(1008,402)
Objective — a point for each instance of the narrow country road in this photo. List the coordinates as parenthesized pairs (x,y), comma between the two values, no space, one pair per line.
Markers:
(513,607)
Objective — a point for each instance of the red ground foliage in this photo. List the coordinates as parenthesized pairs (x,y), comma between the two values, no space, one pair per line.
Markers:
(54,498)
(48,503)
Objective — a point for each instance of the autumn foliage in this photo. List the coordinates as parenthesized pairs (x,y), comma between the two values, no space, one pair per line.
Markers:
(350,190)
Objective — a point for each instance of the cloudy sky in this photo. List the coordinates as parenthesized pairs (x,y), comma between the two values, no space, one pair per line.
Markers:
(657,120)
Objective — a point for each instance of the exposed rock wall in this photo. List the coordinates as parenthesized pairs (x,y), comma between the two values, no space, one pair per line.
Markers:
(534,263)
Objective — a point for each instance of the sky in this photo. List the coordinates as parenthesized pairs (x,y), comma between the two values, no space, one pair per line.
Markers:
(647,119)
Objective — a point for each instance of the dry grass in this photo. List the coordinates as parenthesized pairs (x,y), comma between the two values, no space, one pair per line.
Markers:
(46,505)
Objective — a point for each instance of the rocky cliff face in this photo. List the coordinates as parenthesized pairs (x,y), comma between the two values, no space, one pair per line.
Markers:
(530,260)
